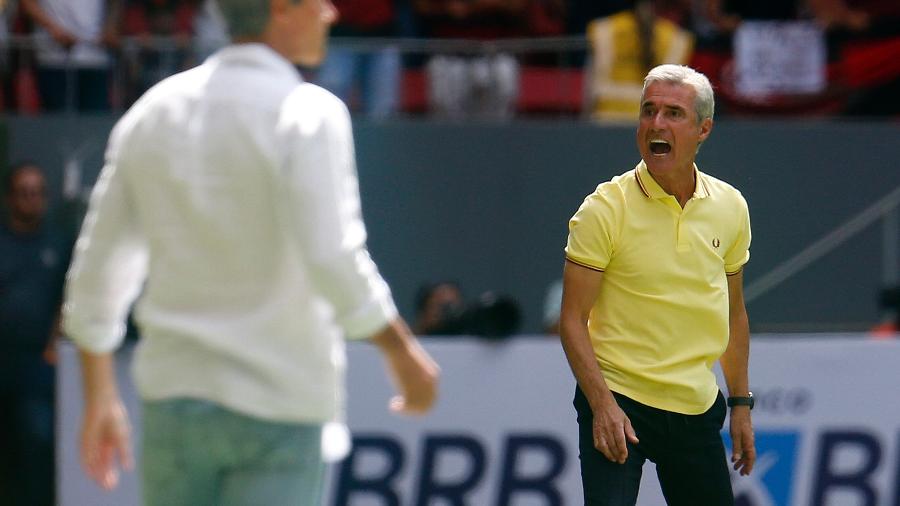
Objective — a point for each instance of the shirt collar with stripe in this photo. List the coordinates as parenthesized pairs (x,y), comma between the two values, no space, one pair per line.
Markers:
(653,190)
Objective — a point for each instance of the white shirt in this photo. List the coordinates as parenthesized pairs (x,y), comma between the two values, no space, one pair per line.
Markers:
(82,18)
(231,189)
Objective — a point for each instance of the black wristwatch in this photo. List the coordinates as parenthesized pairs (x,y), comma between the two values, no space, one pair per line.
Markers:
(742,401)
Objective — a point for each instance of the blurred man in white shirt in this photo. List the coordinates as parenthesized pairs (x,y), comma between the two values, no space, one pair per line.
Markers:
(230,196)
(72,39)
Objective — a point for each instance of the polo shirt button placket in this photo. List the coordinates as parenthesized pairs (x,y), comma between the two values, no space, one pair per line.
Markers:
(681,244)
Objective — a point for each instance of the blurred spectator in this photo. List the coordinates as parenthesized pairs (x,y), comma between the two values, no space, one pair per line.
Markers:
(875,17)
(441,310)
(727,15)
(864,41)
(210,32)
(546,18)
(20,81)
(582,12)
(435,304)
(148,21)
(860,74)
(624,47)
(367,80)
(463,85)
(5,74)
(72,38)
(33,261)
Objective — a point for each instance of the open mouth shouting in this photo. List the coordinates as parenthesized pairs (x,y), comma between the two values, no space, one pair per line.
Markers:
(659,147)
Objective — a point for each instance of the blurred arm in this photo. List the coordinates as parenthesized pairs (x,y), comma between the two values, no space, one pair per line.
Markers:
(40,16)
(325,213)
(413,371)
(109,263)
(105,444)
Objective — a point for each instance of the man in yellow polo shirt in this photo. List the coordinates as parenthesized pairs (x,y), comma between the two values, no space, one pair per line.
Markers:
(652,297)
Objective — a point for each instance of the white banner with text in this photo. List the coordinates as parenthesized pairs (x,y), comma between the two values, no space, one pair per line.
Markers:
(827,424)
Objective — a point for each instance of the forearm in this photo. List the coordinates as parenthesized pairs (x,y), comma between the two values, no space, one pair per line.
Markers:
(39,15)
(576,343)
(736,358)
(393,338)
(98,376)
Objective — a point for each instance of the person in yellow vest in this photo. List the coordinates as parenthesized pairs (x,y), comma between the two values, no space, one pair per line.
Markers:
(624,46)
(652,297)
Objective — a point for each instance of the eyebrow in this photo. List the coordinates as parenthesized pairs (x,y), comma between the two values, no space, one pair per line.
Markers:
(665,106)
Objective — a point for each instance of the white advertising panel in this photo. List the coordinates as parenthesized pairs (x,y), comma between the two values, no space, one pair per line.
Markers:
(827,424)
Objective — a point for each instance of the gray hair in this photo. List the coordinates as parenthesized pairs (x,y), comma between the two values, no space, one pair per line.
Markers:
(704,102)
(246,18)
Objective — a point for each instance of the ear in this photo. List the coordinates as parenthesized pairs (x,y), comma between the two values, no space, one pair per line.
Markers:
(705,128)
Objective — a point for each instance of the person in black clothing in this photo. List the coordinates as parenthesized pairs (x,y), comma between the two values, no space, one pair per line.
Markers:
(33,261)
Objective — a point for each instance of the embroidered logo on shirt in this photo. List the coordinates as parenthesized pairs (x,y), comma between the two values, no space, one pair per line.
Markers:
(716,243)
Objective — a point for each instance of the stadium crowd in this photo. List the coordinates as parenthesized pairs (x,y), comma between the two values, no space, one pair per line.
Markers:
(562,57)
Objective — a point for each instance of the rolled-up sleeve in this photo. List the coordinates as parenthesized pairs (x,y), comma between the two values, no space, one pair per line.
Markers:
(109,263)
(321,193)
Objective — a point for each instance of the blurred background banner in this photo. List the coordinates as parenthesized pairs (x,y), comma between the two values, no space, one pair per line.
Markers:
(827,424)
(779,57)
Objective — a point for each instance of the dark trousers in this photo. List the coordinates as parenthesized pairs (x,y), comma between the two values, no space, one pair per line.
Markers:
(687,449)
(82,90)
(26,430)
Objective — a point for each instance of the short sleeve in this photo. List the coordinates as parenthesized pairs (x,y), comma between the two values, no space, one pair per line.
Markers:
(592,231)
(739,253)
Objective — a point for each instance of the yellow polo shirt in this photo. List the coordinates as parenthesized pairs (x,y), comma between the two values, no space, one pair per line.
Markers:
(661,317)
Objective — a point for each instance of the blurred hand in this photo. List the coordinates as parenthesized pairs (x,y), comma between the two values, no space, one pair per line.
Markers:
(63,37)
(106,442)
(413,371)
(49,354)
(415,375)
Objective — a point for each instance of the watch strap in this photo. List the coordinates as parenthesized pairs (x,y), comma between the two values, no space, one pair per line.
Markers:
(741,401)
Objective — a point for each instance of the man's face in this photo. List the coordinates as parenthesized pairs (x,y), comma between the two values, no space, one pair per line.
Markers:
(27,196)
(306,24)
(668,131)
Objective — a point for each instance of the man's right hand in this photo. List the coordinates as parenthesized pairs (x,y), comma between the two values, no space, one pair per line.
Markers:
(414,373)
(612,431)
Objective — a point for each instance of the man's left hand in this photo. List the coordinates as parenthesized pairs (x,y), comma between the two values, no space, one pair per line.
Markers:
(743,451)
